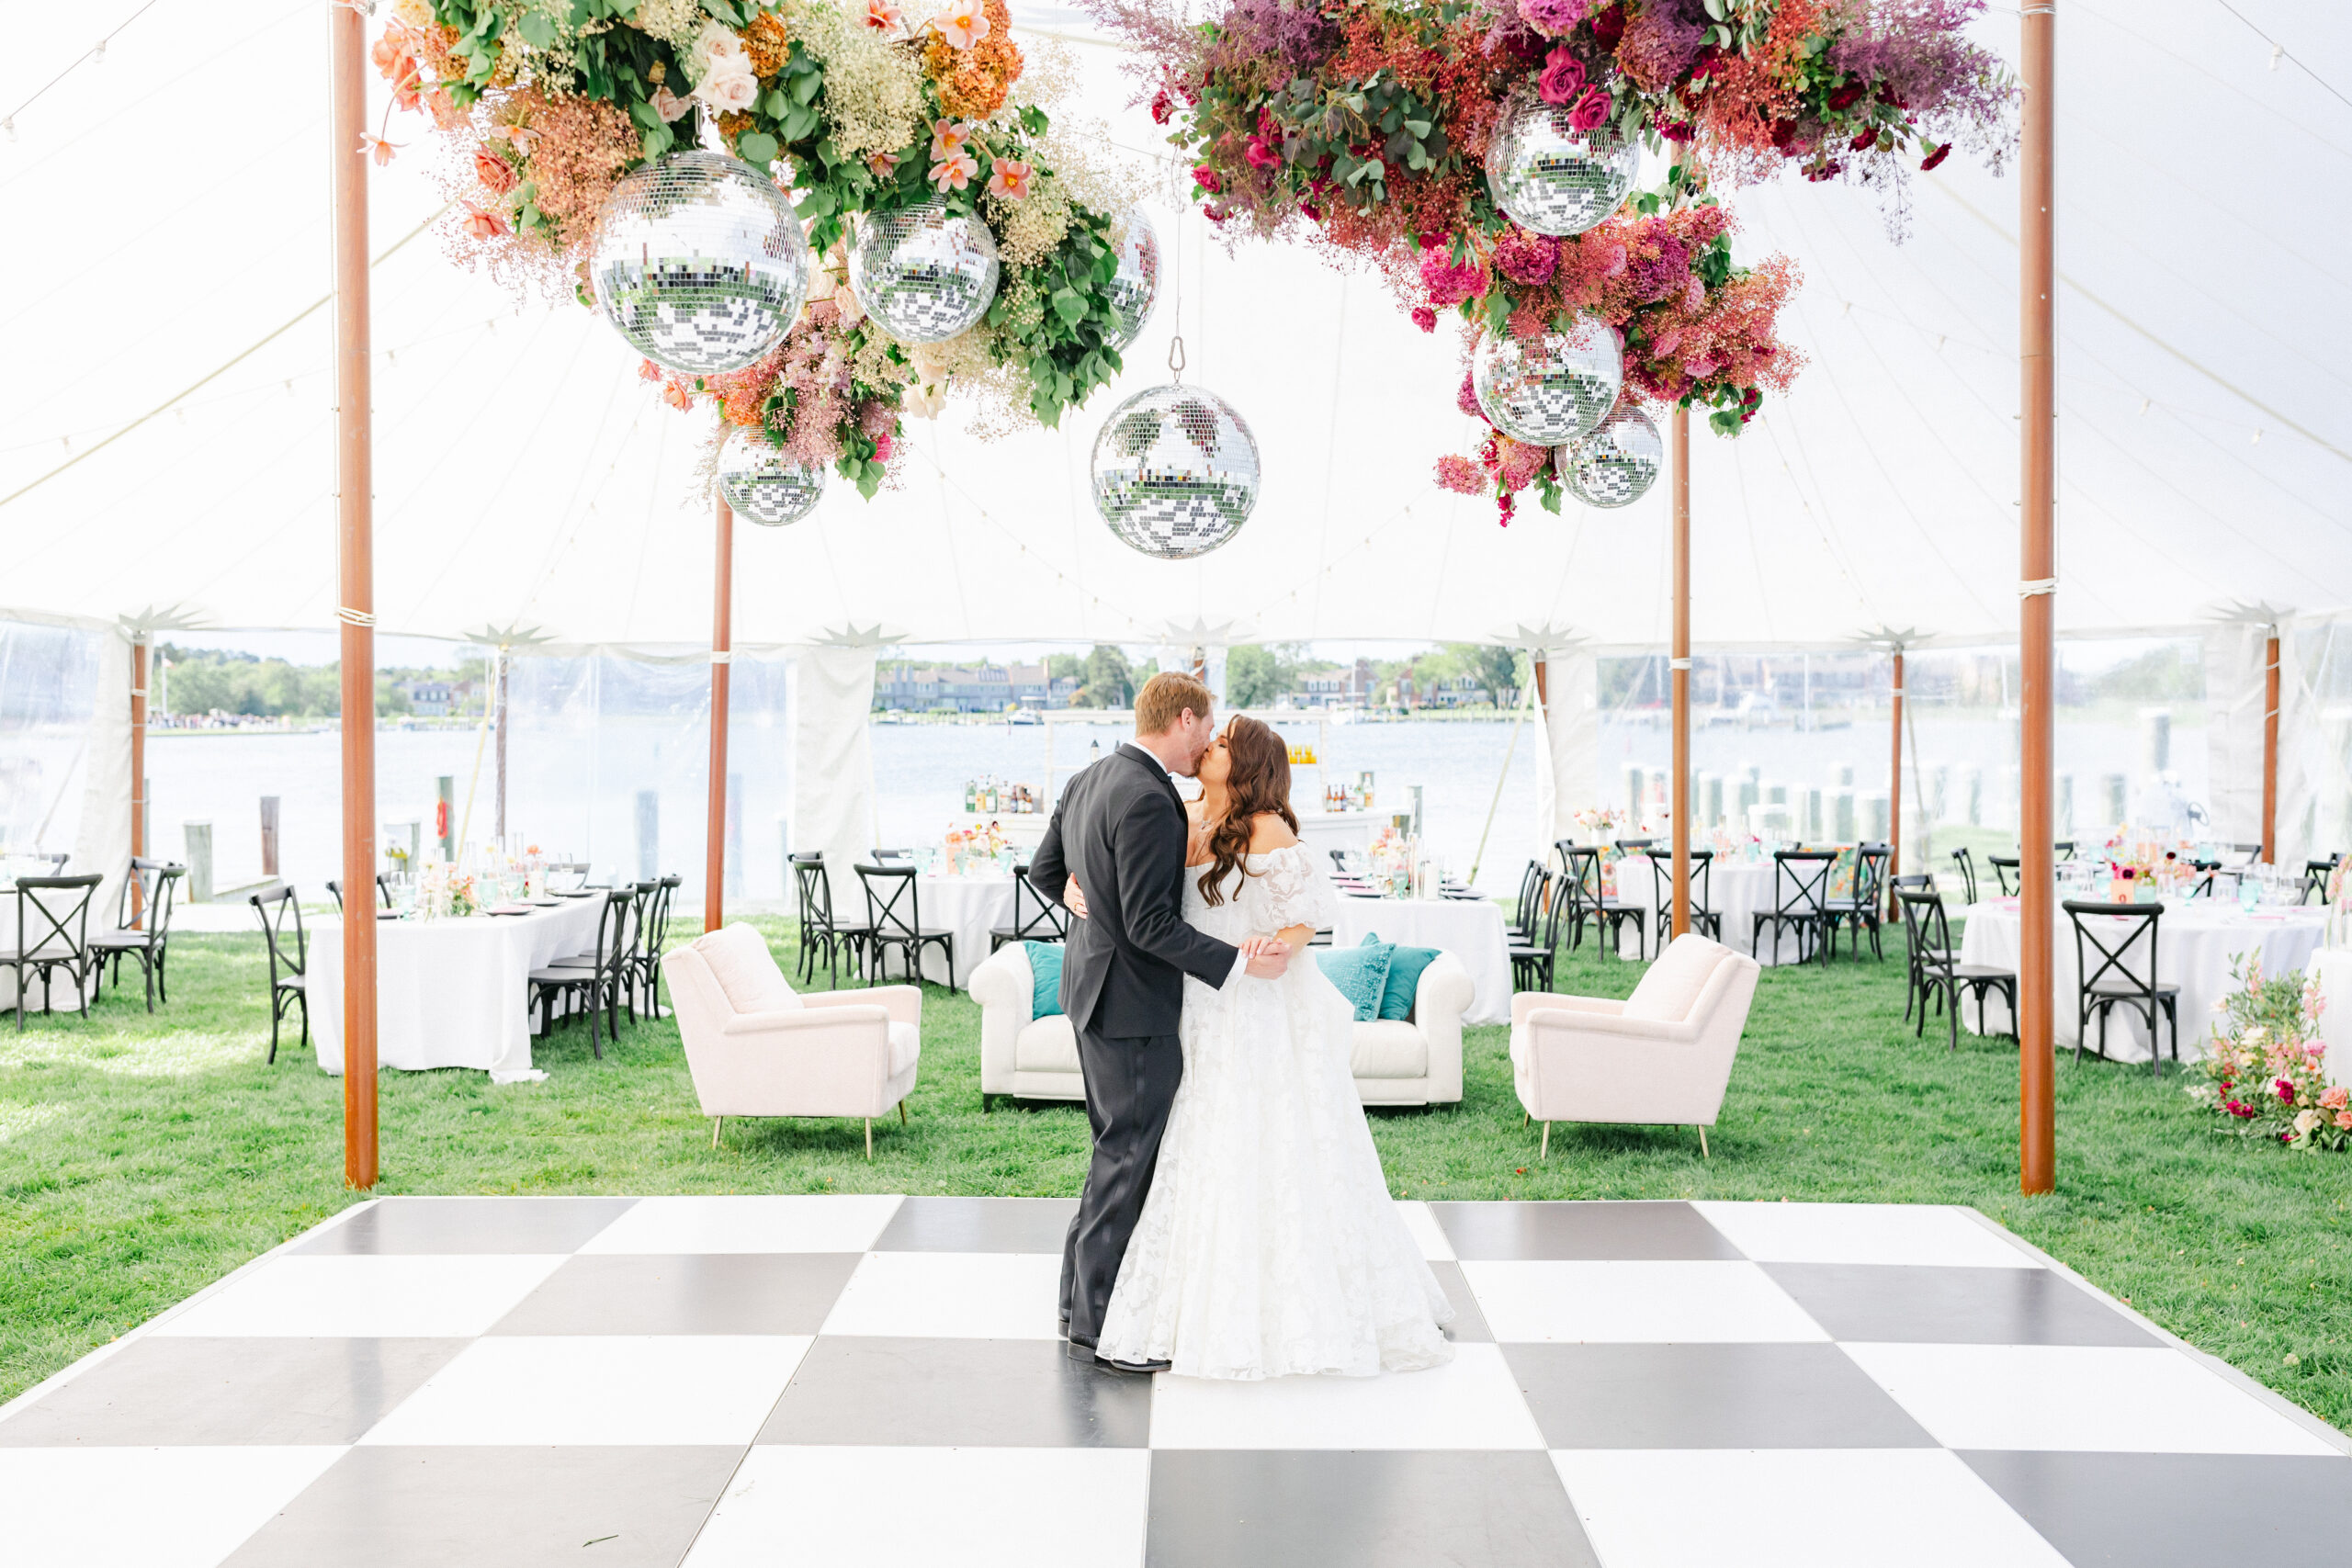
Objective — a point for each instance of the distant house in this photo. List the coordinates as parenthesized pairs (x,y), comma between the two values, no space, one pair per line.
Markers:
(430,699)
(1458,691)
(977,688)
(1337,688)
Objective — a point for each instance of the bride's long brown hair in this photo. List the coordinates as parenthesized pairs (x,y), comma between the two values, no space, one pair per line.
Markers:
(1257,780)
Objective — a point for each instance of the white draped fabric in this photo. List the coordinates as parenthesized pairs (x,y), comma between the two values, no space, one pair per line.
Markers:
(2233,660)
(1567,756)
(833,762)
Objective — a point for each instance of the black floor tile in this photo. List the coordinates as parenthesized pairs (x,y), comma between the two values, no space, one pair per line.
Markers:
(959,1394)
(978,1225)
(729,1293)
(2179,1510)
(162,1391)
(1220,1508)
(1547,1231)
(1867,1303)
(458,1507)
(471,1224)
(1707,1396)
(1469,1324)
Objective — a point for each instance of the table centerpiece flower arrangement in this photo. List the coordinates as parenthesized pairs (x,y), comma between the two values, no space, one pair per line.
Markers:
(2264,1067)
(858,106)
(1365,123)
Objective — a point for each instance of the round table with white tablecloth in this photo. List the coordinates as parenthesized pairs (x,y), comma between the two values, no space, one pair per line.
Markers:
(970,907)
(449,993)
(1736,891)
(2197,942)
(1470,929)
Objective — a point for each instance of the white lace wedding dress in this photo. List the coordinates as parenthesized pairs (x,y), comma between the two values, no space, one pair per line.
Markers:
(1269,1244)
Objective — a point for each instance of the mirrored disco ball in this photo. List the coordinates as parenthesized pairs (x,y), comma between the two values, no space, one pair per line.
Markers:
(699,263)
(1616,461)
(1136,288)
(1552,177)
(925,275)
(1175,471)
(762,485)
(1546,388)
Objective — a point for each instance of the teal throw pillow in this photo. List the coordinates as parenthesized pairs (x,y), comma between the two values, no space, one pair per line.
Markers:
(1045,979)
(1405,967)
(1360,973)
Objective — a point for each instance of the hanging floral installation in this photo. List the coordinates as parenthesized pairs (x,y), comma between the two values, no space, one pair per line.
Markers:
(858,108)
(1372,126)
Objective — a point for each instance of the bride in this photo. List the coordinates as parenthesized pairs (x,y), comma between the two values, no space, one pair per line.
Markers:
(1267,1244)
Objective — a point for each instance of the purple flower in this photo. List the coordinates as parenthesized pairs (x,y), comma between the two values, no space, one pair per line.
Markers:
(1553,17)
(1526,258)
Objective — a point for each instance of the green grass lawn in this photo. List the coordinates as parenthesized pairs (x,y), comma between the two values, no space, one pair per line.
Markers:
(140,1158)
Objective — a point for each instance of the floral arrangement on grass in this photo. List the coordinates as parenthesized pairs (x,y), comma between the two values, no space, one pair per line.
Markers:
(2264,1067)
(1368,122)
(858,106)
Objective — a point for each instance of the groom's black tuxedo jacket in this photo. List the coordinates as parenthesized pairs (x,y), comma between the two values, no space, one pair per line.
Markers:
(1120,830)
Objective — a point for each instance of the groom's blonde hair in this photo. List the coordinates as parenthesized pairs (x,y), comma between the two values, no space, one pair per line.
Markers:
(1167,695)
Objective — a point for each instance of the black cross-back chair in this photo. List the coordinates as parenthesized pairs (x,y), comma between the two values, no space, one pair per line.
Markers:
(383,891)
(140,931)
(1036,918)
(894,911)
(2315,875)
(1705,921)
(1527,909)
(1942,977)
(820,931)
(652,936)
(2005,872)
(1967,863)
(1531,962)
(1860,912)
(2202,887)
(291,988)
(2063,849)
(2113,981)
(1586,902)
(52,933)
(1800,900)
(599,985)
(1917,882)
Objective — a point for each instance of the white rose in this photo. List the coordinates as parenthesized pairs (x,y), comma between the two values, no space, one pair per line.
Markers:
(923,401)
(714,47)
(728,92)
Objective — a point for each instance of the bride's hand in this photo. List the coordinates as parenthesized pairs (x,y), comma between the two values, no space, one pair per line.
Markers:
(1074,897)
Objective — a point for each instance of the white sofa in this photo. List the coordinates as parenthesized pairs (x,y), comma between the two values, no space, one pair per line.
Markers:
(757,1048)
(1413,1061)
(1662,1056)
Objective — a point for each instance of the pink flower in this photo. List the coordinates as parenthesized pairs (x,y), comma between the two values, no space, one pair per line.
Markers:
(1259,155)
(1009,179)
(2344,1120)
(1562,79)
(495,173)
(2286,1091)
(1553,16)
(962,23)
(954,171)
(1590,110)
(729,92)
(377,148)
(1451,285)
(949,137)
(669,106)
(883,16)
(1162,105)
(1425,318)
(883,165)
(1526,258)
(648,371)
(1465,396)
(2240,1109)
(482,225)
(447,115)
(882,447)
(2336,1099)
(1460,475)
(675,394)
(1206,177)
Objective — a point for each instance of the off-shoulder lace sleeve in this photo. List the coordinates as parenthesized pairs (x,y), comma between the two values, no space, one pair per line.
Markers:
(1294,890)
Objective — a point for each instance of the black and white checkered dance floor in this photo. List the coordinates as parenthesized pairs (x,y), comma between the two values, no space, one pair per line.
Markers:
(828,1379)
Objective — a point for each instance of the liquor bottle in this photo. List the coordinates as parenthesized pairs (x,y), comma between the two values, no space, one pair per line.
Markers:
(971,796)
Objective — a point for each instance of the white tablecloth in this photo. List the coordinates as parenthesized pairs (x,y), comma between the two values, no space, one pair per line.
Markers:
(449,993)
(1470,929)
(2196,941)
(971,907)
(2333,968)
(1737,890)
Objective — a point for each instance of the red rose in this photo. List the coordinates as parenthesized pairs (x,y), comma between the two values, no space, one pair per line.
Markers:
(1563,77)
(1608,27)
(1937,156)
(1846,96)
(1591,110)
(1505,505)
(1314,213)
(1425,318)
(1864,139)
(1162,105)
(1704,66)
(1261,156)
(1673,132)
(1431,242)
(1206,177)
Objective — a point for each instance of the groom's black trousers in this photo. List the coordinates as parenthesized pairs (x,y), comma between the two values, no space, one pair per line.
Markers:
(1130,1087)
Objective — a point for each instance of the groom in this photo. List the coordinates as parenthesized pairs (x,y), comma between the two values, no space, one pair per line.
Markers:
(1119,832)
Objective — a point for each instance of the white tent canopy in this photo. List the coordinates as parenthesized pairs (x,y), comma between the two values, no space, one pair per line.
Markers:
(169,214)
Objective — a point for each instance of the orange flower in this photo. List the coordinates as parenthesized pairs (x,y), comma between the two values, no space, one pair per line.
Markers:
(648,371)
(447,115)
(674,393)
(377,148)
(1010,179)
(962,23)
(482,225)
(495,173)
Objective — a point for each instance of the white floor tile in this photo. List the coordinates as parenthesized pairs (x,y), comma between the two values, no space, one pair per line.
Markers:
(143,1507)
(1920,1236)
(847,1223)
(2095,1398)
(1422,1222)
(1473,1402)
(1795,1508)
(1652,1302)
(971,1507)
(331,1295)
(952,1295)
(587,1388)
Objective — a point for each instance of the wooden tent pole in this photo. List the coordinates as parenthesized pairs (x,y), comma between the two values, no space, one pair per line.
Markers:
(2270,748)
(722,645)
(2037,909)
(347,121)
(1680,666)
(139,664)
